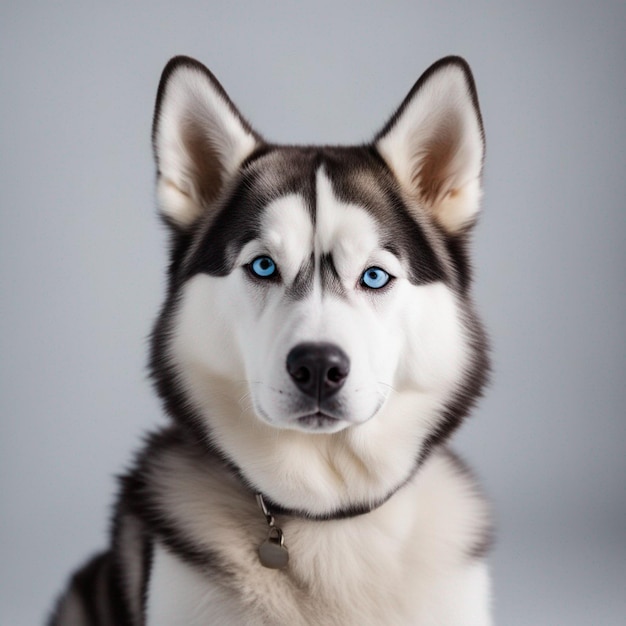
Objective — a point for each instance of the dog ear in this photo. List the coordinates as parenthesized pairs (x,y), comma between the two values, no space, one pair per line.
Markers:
(199,140)
(434,144)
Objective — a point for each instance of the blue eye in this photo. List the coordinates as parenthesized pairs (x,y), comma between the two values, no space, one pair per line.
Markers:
(263,267)
(375,278)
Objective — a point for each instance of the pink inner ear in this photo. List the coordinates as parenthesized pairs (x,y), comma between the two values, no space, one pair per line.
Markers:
(442,171)
(434,145)
(204,158)
(432,169)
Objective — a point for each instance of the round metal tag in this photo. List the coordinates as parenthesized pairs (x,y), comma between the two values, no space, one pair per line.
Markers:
(272,552)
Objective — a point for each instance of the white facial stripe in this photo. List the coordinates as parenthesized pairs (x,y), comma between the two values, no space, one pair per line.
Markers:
(347,231)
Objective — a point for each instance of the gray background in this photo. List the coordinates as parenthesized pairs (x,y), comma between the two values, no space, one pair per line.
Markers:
(82,258)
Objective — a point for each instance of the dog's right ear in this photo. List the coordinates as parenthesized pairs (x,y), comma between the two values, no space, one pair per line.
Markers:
(199,140)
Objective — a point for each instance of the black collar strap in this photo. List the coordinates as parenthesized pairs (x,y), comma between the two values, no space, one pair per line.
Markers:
(337,514)
(353,510)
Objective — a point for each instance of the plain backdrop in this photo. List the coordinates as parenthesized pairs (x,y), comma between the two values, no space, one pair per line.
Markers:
(82,258)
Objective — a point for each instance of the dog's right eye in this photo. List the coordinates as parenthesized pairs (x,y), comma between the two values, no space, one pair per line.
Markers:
(263,267)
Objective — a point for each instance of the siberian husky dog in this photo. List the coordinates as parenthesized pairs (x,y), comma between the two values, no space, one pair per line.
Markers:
(316,348)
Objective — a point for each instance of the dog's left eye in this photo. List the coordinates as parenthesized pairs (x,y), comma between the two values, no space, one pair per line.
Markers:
(375,278)
(263,267)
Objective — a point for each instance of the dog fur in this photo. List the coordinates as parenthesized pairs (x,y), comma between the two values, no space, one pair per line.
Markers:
(318,345)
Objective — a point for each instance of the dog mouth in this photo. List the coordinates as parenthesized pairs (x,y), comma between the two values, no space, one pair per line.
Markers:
(318,421)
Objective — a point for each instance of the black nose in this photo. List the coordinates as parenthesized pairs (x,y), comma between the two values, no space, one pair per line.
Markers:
(318,369)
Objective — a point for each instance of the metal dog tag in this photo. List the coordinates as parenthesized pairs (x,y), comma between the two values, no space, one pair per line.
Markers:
(272,552)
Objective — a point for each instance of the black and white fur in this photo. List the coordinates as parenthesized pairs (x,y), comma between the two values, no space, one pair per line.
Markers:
(384,525)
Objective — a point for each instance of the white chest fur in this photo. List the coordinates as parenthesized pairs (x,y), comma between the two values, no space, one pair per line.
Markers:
(407,562)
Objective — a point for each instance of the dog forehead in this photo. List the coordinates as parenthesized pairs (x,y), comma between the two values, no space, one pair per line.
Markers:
(338,204)
(296,224)
(303,209)
(288,225)
(341,227)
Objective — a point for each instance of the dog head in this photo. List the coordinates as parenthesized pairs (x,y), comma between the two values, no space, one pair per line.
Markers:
(318,294)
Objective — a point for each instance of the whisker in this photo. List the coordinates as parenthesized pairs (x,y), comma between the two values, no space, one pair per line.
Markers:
(380,382)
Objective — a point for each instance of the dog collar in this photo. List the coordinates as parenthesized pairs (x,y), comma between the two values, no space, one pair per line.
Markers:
(336,514)
(273,552)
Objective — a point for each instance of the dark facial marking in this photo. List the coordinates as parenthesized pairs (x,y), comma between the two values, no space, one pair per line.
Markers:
(359,175)
(303,282)
(237,223)
(331,282)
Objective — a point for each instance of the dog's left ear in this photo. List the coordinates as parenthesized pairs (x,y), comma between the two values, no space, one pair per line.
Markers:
(434,144)
(199,140)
